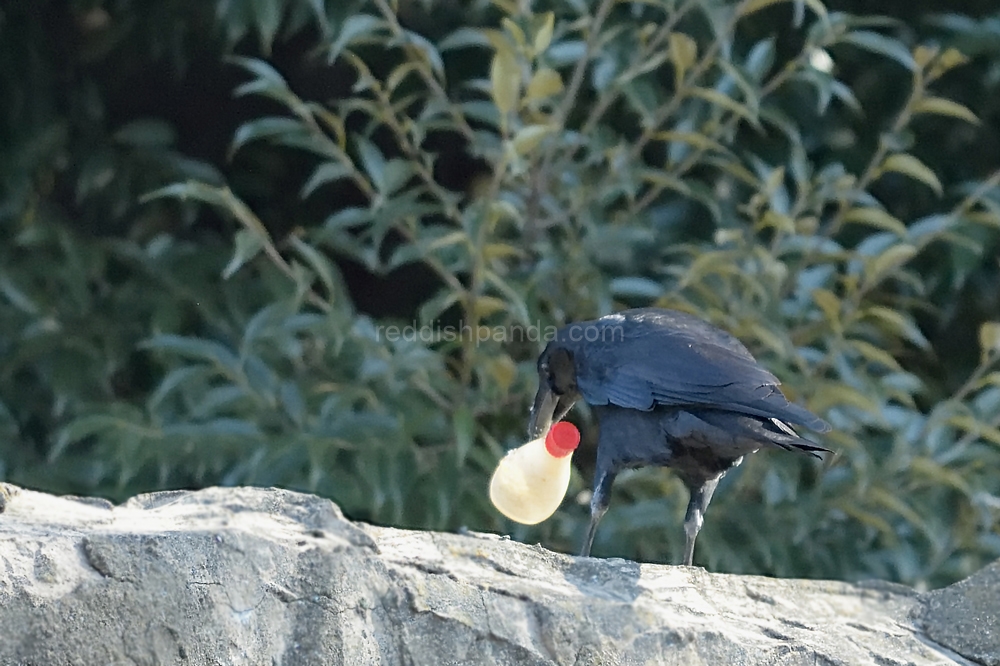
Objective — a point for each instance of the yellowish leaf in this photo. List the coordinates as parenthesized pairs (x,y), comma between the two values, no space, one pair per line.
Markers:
(544,83)
(950,59)
(502,251)
(487,305)
(945,107)
(876,217)
(828,303)
(501,210)
(514,30)
(938,474)
(683,53)
(774,181)
(692,139)
(502,370)
(923,55)
(868,518)
(894,503)
(726,102)
(498,40)
(543,36)
(989,338)
(979,429)
(992,379)
(449,239)
(505,77)
(908,165)
(528,138)
(894,257)
(896,323)
(875,354)
(777,221)
(666,180)
(832,394)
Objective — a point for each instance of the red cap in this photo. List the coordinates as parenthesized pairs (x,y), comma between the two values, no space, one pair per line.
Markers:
(562,440)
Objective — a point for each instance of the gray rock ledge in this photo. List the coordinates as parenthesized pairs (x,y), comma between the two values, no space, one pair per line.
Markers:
(262,576)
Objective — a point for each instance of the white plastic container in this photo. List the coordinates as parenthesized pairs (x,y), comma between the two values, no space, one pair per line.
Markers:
(530,482)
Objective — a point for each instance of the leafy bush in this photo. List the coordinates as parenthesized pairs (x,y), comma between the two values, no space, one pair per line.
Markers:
(794,174)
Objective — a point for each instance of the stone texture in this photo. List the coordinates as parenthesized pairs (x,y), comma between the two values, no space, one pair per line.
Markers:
(264,576)
(966,616)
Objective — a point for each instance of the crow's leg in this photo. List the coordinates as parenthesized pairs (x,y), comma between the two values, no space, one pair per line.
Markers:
(700,497)
(598,507)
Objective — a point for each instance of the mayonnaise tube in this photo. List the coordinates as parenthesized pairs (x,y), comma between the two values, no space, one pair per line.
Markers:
(530,482)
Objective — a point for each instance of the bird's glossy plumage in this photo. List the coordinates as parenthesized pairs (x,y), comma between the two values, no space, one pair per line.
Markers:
(668,389)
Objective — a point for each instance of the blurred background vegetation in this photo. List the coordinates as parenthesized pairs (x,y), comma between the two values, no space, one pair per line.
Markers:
(208,209)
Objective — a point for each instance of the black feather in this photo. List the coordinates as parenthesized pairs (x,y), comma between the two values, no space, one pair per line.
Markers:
(668,389)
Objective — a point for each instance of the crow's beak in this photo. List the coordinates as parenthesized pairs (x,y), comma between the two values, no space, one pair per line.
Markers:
(548,407)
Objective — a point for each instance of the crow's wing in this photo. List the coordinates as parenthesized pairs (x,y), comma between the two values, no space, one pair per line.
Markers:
(643,358)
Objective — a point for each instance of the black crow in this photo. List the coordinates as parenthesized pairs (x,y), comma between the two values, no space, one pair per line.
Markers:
(667,389)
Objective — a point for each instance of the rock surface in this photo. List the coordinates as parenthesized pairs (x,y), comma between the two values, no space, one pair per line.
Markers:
(263,576)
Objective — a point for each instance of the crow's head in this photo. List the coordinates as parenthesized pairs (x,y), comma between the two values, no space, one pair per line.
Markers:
(557,389)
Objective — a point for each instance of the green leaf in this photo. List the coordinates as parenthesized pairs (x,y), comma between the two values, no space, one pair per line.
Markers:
(248,245)
(267,17)
(260,69)
(636,287)
(326,172)
(264,128)
(464,426)
(147,133)
(347,219)
(897,505)
(877,43)
(427,51)
(16,296)
(175,379)
(323,267)
(355,27)
(945,107)
(196,348)
(220,427)
(757,5)
(373,162)
(397,174)
(191,190)
(463,38)
(908,165)
(83,427)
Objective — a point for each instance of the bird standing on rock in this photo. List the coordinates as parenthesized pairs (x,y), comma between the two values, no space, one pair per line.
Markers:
(667,389)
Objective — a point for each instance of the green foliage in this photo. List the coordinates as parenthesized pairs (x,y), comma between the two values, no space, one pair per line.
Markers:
(798,175)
